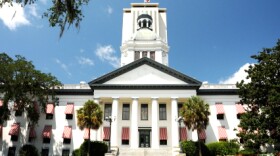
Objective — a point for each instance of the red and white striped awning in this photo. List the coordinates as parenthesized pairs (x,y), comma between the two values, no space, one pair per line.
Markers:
(125,133)
(106,133)
(240,109)
(69,108)
(50,108)
(32,132)
(183,132)
(47,132)
(162,133)
(220,108)
(86,133)
(15,129)
(67,132)
(1,103)
(202,135)
(222,133)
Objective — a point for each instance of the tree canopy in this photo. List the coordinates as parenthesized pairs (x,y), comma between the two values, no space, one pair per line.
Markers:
(62,13)
(261,122)
(195,113)
(22,84)
(89,116)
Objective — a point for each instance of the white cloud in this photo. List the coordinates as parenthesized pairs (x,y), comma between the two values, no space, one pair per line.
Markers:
(13,16)
(85,61)
(32,10)
(237,76)
(109,10)
(107,53)
(63,66)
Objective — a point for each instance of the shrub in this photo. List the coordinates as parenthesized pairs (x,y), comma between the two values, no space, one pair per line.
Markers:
(188,147)
(76,152)
(97,148)
(247,151)
(223,148)
(28,150)
(191,148)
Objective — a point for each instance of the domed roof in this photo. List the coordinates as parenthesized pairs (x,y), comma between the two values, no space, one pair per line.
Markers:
(145,35)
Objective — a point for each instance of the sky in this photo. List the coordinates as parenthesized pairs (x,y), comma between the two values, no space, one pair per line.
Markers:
(211,41)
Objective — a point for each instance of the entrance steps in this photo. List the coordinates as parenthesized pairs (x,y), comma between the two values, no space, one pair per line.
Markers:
(145,152)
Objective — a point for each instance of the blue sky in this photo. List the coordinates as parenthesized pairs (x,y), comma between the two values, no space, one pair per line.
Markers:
(209,40)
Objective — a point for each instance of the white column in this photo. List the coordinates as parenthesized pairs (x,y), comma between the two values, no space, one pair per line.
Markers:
(134,123)
(114,128)
(96,134)
(155,128)
(174,122)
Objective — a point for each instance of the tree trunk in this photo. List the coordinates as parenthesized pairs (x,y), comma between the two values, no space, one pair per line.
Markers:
(89,142)
(199,146)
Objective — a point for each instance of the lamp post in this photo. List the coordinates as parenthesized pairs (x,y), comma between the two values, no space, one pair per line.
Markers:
(179,120)
(110,120)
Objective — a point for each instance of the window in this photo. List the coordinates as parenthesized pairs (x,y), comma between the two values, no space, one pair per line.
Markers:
(125,113)
(220,116)
(12,151)
(144,54)
(49,116)
(69,110)
(136,55)
(46,140)
(162,111)
(107,110)
(69,116)
(125,142)
(238,116)
(125,136)
(65,152)
(163,136)
(163,142)
(45,152)
(14,137)
(152,55)
(180,105)
(18,113)
(144,111)
(66,141)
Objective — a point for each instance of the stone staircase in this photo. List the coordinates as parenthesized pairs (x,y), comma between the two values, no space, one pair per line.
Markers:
(146,152)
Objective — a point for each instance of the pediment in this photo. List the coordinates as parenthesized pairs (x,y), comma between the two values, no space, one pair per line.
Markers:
(144,72)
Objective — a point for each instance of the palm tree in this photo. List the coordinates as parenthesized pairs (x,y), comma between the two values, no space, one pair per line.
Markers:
(195,113)
(89,116)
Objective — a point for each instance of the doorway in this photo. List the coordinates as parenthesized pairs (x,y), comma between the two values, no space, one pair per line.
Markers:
(144,138)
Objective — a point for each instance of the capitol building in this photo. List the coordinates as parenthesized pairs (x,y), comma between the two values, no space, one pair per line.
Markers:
(143,97)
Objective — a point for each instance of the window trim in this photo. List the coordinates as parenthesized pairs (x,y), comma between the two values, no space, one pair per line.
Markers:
(107,113)
(144,107)
(162,111)
(126,111)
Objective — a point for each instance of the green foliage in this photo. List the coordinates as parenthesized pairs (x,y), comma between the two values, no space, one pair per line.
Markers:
(22,83)
(61,13)
(97,148)
(28,150)
(195,113)
(261,122)
(188,147)
(76,152)
(89,116)
(223,148)
(247,152)
(191,148)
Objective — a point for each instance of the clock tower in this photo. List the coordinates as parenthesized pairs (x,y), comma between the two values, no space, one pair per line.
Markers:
(144,33)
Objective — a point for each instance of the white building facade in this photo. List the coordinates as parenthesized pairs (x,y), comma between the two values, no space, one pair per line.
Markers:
(143,98)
